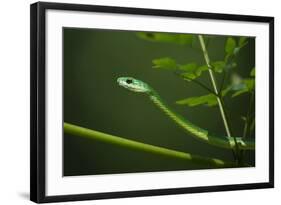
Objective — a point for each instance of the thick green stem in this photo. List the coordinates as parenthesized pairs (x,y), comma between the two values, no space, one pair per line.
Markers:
(219,99)
(111,139)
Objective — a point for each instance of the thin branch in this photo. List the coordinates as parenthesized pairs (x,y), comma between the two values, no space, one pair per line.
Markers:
(212,77)
(248,116)
(198,83)
(247,125)
(222,82)
(219,99)
(245,129)
(119,141)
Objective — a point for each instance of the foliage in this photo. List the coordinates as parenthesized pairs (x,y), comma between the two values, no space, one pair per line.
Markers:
(188,71)
(191,71)
(246,86)
(231,85)
(165,63)
(209,99)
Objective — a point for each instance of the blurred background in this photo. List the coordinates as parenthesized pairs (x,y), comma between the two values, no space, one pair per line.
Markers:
(94,59)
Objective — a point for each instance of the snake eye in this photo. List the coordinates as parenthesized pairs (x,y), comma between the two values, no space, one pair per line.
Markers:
(129,81)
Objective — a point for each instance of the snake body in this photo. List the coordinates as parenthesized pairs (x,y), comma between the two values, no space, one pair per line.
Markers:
(139,86)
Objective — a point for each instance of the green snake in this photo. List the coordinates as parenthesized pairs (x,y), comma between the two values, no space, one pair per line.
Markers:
(139,86)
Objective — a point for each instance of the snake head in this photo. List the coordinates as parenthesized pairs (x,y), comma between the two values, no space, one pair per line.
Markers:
(134,85)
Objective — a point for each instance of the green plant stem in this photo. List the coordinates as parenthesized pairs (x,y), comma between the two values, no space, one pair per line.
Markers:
(247,125)
(245,129)
(248,117)
(213,81)
(250,113)
(222,82)
(219,99)
(198,83)
(252,126)
(119,141)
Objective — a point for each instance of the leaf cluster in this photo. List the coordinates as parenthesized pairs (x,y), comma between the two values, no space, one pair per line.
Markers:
(192,71)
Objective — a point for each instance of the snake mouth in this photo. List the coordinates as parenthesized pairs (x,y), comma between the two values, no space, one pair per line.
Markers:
(119,81)
(122,82)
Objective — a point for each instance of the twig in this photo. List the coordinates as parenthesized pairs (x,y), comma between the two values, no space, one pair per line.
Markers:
(248,116)
(198,83)
(219,99)
(222,82)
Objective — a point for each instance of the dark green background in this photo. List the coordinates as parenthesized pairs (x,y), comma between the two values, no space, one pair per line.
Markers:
(94,59)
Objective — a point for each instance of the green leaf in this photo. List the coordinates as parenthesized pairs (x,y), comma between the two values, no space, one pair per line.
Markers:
(209,100)
(240,85)
(188,71)
(225,91)
(192,71)
(218,66)
(189,76)
(232,48)
(230,45)
(180,39)
(200,69)
(250,83)
(247,85)
(242,41)
(165,63)
(239,92)
(253,72)
(191,67)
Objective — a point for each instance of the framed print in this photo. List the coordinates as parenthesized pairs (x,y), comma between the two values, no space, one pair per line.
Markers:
(129,102)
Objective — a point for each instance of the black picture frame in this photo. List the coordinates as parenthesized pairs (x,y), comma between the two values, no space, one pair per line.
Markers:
(38,100)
